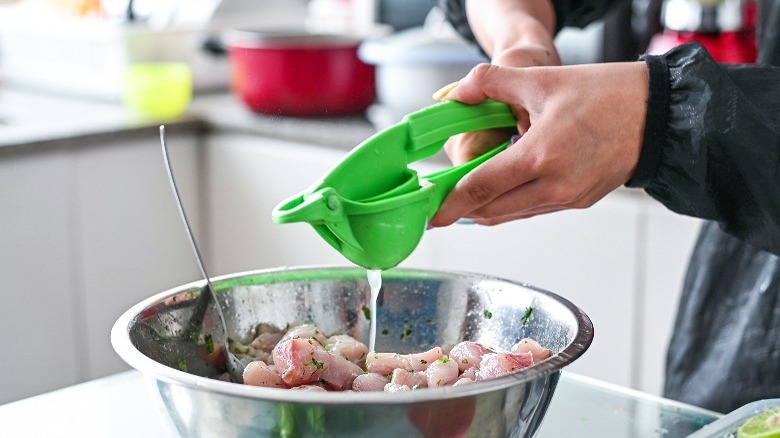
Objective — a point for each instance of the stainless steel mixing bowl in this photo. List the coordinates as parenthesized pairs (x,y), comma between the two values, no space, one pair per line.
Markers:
(163,335)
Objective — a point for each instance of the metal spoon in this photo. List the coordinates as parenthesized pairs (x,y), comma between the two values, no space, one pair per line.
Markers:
(234,365)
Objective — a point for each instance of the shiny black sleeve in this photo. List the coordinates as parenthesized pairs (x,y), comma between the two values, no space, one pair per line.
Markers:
(575,13)
(712,143)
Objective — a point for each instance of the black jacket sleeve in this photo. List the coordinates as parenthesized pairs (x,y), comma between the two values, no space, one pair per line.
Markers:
(575,13)
(712,143)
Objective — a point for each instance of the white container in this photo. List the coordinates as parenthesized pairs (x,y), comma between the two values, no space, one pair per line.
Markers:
(411,65)
(87,57)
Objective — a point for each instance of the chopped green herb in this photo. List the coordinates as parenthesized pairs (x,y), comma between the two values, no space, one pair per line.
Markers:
(183,365)
(367,312)
(408,331)
(444,359)
(488,314)
(319,342)
(316,363)
(527,315)
(464,361)
(429,321)
(385,331)
(209,344)
(423,361)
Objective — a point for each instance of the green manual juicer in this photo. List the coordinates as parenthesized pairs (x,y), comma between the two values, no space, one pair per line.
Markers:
(371,207)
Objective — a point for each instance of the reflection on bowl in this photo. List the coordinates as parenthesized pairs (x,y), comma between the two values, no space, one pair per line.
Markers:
(416,310)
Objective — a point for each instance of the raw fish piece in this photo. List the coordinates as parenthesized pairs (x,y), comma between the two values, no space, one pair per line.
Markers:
(525,345)
(394,387)
(385,363)
(348,347)
(463,381)
(257,373)
(412,379)
(500,364)
(337,372)
(470,373)
(309,388)
(306,331)
(468,354)
(296,362)
(442,372)
(369,382)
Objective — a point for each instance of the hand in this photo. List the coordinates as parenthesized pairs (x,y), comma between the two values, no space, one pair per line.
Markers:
(465,147)
(516,33)
(584,139)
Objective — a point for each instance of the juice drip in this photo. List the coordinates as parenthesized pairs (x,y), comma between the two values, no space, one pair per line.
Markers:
(375,282)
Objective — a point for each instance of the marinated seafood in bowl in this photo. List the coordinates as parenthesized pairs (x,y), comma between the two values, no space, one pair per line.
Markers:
(302,357)
(176,340)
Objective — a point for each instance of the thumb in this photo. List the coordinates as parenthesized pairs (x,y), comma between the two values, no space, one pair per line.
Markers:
(486,81)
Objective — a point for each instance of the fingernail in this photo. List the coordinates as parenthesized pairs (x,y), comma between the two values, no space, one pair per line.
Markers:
(428,227)
(442,92)
(465,221)
(514,138)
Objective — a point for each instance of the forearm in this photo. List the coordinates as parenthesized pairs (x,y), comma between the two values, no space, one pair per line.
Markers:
(501,25)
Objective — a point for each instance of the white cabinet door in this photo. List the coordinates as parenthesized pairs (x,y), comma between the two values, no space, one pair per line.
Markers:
(586,256)
(39,331)
(132,241)
(247,177)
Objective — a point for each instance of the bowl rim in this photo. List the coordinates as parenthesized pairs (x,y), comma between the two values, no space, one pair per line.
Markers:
(121,343)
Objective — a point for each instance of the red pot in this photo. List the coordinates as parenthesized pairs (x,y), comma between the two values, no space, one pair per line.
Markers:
(298,74)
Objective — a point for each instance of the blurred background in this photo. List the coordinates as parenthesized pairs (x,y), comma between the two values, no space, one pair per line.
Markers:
(88,226)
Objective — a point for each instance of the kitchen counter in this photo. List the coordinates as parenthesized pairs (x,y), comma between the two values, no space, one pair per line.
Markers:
(121,405)
(31,119)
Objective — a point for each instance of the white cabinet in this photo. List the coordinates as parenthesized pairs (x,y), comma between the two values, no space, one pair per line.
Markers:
(39,329)
(247,177)
(586,256)
(131,240)
(621,260)
(87,229)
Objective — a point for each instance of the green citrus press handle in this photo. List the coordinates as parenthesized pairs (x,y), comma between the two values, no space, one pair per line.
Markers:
(430,127)
(445,180)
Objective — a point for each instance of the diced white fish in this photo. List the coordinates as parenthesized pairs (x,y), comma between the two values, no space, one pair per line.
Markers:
(369,382)
(526,345)
(470,373)
(412,379)
(258,373)
(306,331)
(266,341)
(500,364)
(463,381)
(347,347)
(442,371)
(394,387)
(468,354)
(309,388)
(302,361)
(338,372)
(295,361)
(385,363)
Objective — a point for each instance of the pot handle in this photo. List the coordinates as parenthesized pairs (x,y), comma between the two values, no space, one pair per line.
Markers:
(213,45)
